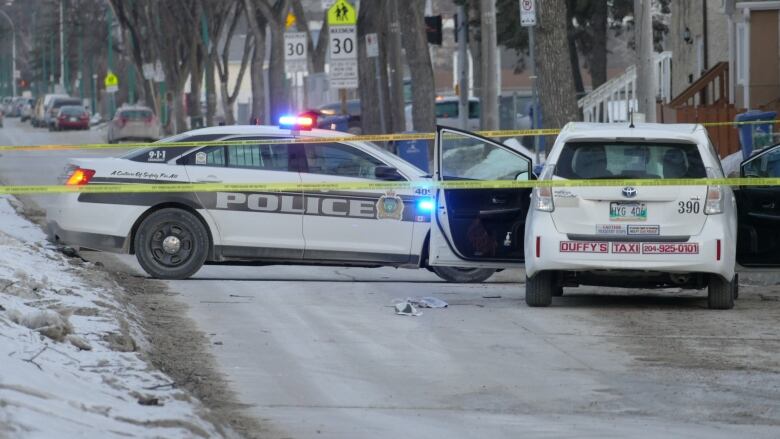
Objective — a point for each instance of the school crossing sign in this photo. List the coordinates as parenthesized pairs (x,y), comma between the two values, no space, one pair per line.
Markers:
(342,45)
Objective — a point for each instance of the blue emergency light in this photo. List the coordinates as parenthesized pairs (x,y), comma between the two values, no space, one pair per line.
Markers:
(425,205)
(296,123)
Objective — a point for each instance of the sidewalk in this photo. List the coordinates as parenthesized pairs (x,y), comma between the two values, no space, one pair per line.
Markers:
(71,351)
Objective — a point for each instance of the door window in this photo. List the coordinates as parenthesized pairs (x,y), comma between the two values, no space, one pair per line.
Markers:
(446,110)
(341,160)
(469,158)
(763,165)
(209,156)
(274,157)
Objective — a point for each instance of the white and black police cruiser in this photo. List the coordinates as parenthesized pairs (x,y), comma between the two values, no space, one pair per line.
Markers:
(174,234)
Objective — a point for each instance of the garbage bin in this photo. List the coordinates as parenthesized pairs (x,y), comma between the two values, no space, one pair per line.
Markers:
(754,136)
(414,151)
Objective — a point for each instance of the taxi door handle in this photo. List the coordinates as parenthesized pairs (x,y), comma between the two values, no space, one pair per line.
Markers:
(768,205)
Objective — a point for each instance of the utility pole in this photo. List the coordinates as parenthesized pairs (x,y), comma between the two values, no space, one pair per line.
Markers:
(13,52)
(528,19)
(646,74)
(463,67)
(489,98)
(62,44)
(112,103)
(395,60)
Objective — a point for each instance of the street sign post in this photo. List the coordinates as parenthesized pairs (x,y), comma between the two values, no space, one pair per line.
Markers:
(372,51)
(111,82)
(342,20)
(527,13)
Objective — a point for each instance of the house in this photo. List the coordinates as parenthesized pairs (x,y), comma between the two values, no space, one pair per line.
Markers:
(725,60)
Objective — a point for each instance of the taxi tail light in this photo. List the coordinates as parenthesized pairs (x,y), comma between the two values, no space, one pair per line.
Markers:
(543,199)
(538,246)
(717,250)
(80,177)
(714,203)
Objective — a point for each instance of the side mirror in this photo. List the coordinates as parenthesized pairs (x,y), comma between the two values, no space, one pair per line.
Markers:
(387,173)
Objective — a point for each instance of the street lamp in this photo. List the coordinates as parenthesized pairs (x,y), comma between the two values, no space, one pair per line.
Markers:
(13,51)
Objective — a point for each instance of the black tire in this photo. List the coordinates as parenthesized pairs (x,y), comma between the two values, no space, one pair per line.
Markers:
(539,289)
(184,261)
(720,293)
(463,275)
(557,291)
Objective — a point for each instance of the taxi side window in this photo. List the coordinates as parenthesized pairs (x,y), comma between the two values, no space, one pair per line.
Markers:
(268,157)
(341,160)
(764,165)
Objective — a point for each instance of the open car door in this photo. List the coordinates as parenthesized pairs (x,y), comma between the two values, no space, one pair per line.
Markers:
(758,209)
(478,227)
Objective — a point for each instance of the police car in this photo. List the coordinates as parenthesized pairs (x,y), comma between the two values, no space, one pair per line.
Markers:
(174,234)
(643,236)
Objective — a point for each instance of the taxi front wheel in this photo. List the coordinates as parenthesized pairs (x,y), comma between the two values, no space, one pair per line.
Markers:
(171,244)
(463,275)
(539,289)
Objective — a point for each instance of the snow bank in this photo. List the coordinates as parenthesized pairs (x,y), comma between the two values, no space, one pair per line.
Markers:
(59,376)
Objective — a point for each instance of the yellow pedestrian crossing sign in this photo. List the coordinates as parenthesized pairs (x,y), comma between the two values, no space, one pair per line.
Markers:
(342,14)
(112,82)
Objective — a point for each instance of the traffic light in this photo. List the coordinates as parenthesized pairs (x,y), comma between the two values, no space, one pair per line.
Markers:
(433,29)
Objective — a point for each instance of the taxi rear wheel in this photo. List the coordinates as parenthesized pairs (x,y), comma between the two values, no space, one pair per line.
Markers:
(720,293)
(463,275)
(539,289)
(171,244)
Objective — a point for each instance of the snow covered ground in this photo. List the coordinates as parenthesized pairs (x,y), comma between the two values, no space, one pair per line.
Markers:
(69,352)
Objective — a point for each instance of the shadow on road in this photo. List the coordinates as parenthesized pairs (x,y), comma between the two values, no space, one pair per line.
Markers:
(625,301)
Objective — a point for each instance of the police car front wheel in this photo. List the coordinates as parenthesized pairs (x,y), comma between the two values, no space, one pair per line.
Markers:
(171,244)
(463,275)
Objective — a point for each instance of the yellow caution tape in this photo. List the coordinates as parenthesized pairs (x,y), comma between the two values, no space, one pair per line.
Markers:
(362,138)
(377,186)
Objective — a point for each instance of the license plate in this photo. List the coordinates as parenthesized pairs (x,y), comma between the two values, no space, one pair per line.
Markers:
(622,211)
(73,119)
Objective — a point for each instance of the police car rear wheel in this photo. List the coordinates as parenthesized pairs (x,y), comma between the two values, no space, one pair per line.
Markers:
(463,275)
(171,244)
(539,289)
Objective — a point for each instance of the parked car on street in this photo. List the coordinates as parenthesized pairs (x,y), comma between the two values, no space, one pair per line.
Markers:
(54,107)
(27,109)
(134,122)
(71,117)
(39,112)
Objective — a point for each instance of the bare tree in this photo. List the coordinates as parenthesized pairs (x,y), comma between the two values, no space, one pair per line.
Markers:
(235,12)
(415,42)
(554,69)
(274,13)
(316,53)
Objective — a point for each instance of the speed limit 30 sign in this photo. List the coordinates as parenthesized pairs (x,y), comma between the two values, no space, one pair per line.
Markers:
(295,46)
(342,45)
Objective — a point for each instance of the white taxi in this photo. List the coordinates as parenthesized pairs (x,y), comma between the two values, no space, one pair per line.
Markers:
(624,236)
(174,234)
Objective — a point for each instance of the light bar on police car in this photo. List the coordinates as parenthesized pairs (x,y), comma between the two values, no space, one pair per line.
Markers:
(296,123)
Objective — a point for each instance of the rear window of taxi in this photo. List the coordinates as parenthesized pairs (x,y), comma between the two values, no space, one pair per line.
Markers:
(637,160)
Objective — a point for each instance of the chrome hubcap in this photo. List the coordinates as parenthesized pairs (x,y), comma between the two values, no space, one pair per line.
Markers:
(171,245)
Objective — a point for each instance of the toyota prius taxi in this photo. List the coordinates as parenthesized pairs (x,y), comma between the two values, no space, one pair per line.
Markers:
(174,234)
(621,236)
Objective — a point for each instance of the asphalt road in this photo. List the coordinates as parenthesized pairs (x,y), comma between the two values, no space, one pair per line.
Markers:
(317,352)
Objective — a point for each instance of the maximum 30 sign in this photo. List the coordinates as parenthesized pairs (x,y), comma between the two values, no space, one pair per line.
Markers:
(295,46)
(342,42)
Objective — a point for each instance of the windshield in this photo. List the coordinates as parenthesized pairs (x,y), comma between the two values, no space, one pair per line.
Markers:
(641,160)
(73,111)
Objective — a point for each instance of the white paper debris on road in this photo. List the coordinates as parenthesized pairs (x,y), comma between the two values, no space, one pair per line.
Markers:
(405,308)
(427,302)
(58,375)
